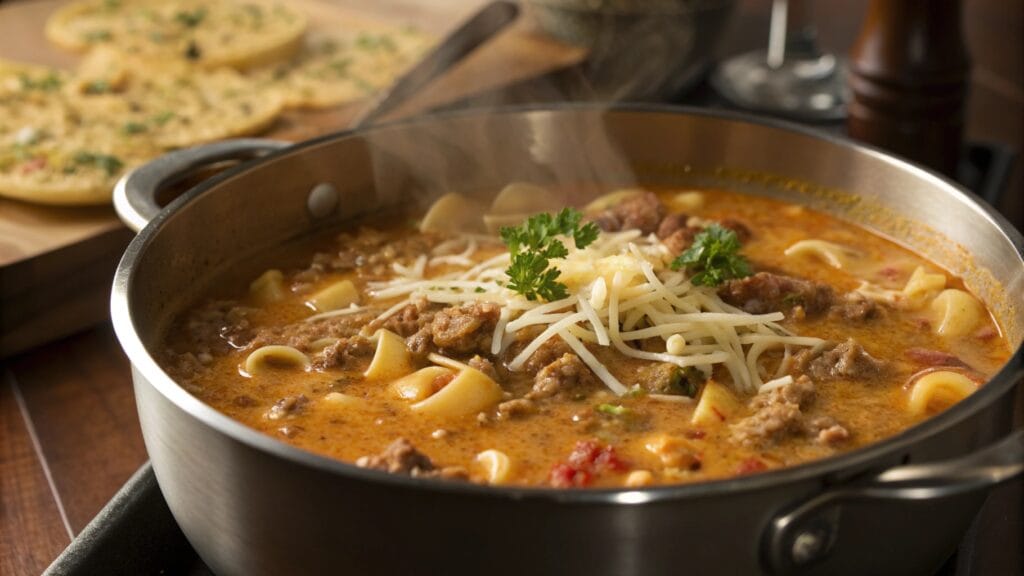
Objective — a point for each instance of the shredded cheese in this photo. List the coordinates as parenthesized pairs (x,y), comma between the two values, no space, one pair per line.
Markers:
(622,292)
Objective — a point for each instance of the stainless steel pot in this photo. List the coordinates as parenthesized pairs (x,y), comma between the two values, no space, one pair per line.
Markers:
(253,505)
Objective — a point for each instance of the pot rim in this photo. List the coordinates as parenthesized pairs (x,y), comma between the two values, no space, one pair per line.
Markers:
(864,459)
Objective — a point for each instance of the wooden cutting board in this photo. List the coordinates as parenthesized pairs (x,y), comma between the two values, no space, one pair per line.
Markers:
(56,264)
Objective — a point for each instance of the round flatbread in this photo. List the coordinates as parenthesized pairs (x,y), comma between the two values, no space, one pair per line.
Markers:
(341,67)
(76,169)
(172,105)
(235,33)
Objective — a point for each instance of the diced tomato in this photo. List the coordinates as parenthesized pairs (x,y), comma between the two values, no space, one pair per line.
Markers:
(751,466)
(587,459)
(33,165)
(442,381)
(933,357)
(565,476)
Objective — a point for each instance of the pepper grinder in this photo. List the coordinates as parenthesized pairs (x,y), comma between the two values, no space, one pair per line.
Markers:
(908,77)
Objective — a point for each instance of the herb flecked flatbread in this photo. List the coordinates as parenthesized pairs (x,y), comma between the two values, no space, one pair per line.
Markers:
(235,33)
(159,75)
(47,154)
(174,105)
(341,67)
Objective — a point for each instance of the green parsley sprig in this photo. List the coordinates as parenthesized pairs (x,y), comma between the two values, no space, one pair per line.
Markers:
(534,243)
(714,257)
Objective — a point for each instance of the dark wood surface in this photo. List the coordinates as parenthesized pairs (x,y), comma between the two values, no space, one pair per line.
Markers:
(69,434)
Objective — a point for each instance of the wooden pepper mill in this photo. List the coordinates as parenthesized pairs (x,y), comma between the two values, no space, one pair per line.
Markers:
(908,77)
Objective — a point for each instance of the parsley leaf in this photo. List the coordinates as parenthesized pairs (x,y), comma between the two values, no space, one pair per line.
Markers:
(533,243)
(612,409)
(190,19)
(714,257)
(105,162)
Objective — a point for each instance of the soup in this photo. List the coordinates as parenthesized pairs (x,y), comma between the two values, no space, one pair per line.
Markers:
(656,336)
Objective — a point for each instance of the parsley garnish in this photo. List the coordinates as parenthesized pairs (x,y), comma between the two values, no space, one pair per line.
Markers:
(612,409)
(533,243)
(105,162)
(47,83)
(97,36)
(133,128)
(714,257)
(162,118)
(190,19)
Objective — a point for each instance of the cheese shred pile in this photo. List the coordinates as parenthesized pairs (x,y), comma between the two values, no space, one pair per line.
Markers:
(623,295)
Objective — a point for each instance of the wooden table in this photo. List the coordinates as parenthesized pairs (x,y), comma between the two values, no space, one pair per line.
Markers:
(69,434)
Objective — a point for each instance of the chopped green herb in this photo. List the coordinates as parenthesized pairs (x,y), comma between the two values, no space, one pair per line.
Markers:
(533,244)
(133,128)
(687,381)
(635,391)
(190,19)
(714,257)
(792,299)
(97,36)
(375,42)
(479,290)
(612,409)
(47,83)
(340,66)
(162,118)
(98,87)
(109,164)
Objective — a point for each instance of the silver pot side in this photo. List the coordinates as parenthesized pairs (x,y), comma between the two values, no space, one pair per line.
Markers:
(252,505)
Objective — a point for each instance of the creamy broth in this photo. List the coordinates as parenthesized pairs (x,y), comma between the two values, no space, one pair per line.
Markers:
(880,337)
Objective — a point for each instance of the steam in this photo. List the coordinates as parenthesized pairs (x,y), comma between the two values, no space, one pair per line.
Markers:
(483,146)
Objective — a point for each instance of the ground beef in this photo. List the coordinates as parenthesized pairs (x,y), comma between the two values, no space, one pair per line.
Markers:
(643,211)
(681,239)
(549,351)
(401,457)
(408,320)
(848,360)
(516,408)
(825,430)
(301,334)
(344,352)
(766,292)
(484,365)
(566,377)
(218,327)
(465,329)
(856,307)
(770,423)
(664,378)
(288,406)
(671,224)
(421,343)
(780,413)
(739,228)
(371,252)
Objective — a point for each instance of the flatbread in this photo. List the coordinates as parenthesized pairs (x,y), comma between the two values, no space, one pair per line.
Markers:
(235,33)
(172,105)
(343,66)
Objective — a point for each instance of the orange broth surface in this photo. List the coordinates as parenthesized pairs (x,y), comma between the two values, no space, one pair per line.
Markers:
(870,409)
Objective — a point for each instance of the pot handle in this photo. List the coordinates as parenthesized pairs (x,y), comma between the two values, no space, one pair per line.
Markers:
(136,192)
(808,532)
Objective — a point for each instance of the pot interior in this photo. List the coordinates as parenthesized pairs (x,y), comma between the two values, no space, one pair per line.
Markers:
(588,150)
